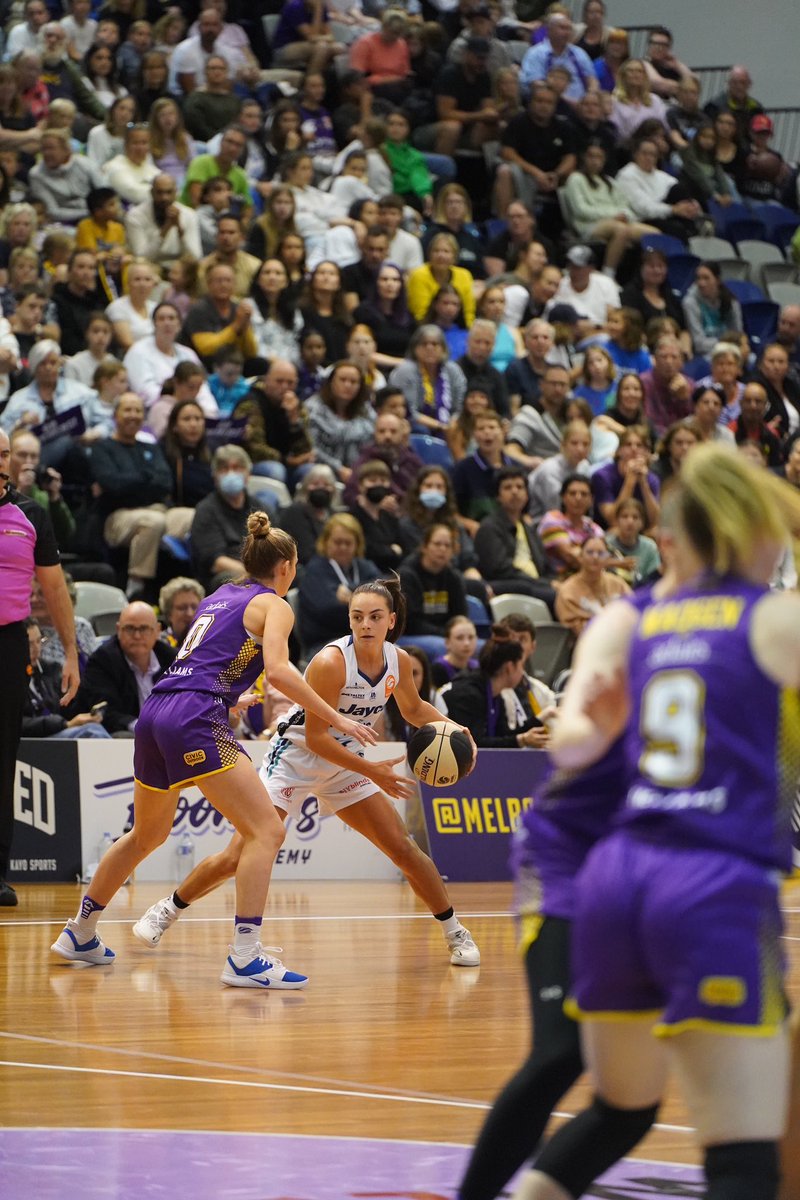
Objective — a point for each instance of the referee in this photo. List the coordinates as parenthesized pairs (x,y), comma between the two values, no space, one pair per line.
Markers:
(27,549)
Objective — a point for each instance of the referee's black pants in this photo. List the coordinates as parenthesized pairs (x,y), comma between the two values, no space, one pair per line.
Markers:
(14,659)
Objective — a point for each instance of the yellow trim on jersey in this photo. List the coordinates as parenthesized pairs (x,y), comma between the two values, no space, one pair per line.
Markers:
(530,928)
(186,782)
(665,1030)
(573,1009)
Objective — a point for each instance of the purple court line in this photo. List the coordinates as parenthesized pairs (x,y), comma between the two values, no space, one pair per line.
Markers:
(124,1164)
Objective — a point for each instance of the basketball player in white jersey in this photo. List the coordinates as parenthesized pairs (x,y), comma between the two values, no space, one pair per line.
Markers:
(356,675)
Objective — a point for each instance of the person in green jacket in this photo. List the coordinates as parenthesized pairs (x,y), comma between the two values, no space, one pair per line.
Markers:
(411,178)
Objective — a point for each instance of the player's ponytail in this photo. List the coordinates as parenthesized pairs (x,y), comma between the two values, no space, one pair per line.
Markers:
(265,547)
(726,506)
(391,591)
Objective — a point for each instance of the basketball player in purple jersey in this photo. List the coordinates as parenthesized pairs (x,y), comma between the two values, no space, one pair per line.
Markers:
(356,673)
(677,922)
(183,736)
(573,810)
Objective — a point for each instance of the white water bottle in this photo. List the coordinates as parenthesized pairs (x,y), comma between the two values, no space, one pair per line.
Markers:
(184,857)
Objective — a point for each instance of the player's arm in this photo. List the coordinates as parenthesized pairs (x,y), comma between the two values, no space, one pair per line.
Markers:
(413,709)
(327,676)
(595,706)
(276,619)
(775,637)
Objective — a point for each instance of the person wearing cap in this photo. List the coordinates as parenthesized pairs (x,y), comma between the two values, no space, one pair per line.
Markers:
(537,157)
(588,291)
(481,21)
(384,59)
(465,107)
(557,50)
(765,171)
(736,99)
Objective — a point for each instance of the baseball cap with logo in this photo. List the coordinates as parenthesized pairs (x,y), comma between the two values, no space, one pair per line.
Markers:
(580,256)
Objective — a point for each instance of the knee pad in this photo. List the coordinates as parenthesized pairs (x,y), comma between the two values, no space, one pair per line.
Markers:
(742,1171)
(598,1137)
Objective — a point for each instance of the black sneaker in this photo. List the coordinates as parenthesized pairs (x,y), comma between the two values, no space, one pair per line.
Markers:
(8,897)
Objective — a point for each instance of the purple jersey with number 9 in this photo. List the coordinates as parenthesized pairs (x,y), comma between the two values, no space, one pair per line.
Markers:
(714,752)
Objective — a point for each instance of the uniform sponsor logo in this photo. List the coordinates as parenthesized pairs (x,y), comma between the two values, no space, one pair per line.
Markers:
(193,757)
(722,991)
(287,793)
(391,684)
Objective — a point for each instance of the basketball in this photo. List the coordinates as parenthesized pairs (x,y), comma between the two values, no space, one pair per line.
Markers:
(439,754)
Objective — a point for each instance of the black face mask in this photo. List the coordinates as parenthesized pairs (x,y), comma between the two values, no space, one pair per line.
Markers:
(319,497)
(375,494)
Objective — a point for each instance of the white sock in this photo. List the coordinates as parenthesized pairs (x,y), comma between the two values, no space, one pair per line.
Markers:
(536,1186)
(246,936)
(87,917)
(450,925)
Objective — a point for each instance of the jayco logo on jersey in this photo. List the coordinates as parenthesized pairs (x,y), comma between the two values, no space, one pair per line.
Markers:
(361,710)
(35,798)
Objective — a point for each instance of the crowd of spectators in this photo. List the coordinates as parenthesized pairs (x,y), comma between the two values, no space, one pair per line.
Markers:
(381,273)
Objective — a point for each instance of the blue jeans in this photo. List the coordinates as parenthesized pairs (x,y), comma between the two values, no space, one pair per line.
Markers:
(82,731)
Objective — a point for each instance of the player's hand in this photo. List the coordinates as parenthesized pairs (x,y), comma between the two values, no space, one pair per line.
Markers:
(606,702)
(245,701)
(400,787)
(354,729)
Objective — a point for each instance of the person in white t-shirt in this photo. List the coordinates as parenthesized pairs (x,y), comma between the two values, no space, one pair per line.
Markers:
(590,292)
(80,29)
(27,35)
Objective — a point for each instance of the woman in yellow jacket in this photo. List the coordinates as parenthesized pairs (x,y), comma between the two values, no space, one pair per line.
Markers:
(424,282)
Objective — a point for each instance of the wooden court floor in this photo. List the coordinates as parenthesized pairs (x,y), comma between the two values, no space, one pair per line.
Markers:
(388,1041)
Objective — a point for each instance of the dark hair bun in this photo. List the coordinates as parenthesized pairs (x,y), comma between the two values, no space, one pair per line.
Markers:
(258,525)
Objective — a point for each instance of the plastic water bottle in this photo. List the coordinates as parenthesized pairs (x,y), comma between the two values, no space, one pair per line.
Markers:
(90,868)
(184,857)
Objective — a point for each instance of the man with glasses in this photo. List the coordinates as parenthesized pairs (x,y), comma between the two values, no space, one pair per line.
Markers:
(665,72)
(122,671)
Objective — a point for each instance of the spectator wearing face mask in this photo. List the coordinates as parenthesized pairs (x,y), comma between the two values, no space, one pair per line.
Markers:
(220,521)
(375,509)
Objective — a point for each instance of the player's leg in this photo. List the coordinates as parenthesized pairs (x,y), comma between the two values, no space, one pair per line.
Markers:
(378,821)
(628,1066)
(152,820)
(240,796)
(520,1113)
(737,1090)
(209,874)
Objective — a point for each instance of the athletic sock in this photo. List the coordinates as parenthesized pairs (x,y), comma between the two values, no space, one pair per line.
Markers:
(450,922)
(246,932)
(87,917)
(179,904)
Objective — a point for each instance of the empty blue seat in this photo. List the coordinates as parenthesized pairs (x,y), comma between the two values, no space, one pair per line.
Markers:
(760,319)
(663,242)
(476,611)
(744,290)
(745,229)
(681,270)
